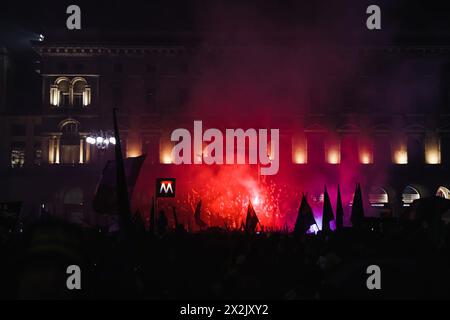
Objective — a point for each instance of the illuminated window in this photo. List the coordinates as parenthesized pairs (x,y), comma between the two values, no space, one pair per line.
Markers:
(17,154)
(365,151)
(443,192)
(81,93)
(433,150)
(299,150)
(165,151)
(400,154)
(333,150)
(378,197)
(300,156)
(66,93)
(70,143)
(409,195)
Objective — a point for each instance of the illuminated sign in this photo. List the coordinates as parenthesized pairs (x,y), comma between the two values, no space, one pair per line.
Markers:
(165,187)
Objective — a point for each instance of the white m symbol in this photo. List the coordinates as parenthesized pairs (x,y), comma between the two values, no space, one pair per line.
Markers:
(166,186)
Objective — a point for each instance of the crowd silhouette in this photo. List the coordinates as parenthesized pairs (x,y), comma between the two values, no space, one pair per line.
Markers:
(158,261)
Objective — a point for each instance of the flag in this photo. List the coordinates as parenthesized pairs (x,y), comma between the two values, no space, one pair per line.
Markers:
(251,222)
(139,224)
(339,211)
(105,199)
(122,194)
(327,215)
(197,217)
(151,223)
(357,208)
(175,218)
(305,218)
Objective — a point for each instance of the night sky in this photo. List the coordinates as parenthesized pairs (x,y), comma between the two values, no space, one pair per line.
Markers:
(223,22)
(422,21)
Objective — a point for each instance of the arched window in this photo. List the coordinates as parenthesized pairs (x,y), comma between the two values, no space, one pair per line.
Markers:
(409,195)
(70,142)
(378,197)
(66,93)
(81,92)
(60,93)
(443,192)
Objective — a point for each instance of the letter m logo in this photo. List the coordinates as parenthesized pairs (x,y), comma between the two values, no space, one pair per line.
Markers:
(165,187)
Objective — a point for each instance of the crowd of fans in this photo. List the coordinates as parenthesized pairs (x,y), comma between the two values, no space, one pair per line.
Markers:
(222,264)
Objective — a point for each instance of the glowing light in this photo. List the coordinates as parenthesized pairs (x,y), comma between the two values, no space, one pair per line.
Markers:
(432,155)
(443,192)
(365,157)
(112,140)
(314,229)
(378,197)
(256,200)
(401,155)
(409,195)
(226,194)
(166,158)
(99,140)
(133,152)
(90,140)
(54,96)
(333,156)
(300,157)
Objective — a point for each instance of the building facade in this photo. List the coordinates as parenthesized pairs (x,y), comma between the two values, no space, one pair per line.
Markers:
(46,160)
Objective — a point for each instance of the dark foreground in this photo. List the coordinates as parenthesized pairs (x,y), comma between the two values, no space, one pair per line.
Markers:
(414,262)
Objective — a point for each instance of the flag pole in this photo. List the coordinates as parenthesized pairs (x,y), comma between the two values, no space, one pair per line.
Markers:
(123,202)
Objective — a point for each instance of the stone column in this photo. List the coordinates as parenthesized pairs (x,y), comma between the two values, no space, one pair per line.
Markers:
(58,146)
(81,150)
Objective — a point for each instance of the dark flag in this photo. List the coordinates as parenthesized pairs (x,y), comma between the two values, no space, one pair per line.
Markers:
(151,223)
(327,215)
(175,218)
(162,223)
(139,224)
(251,222)
(305,218)
(197,217)
(339,211)
(123,201)
(105,199)
(357,216)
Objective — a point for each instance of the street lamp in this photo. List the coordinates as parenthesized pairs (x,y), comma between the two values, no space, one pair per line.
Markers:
(101,139)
